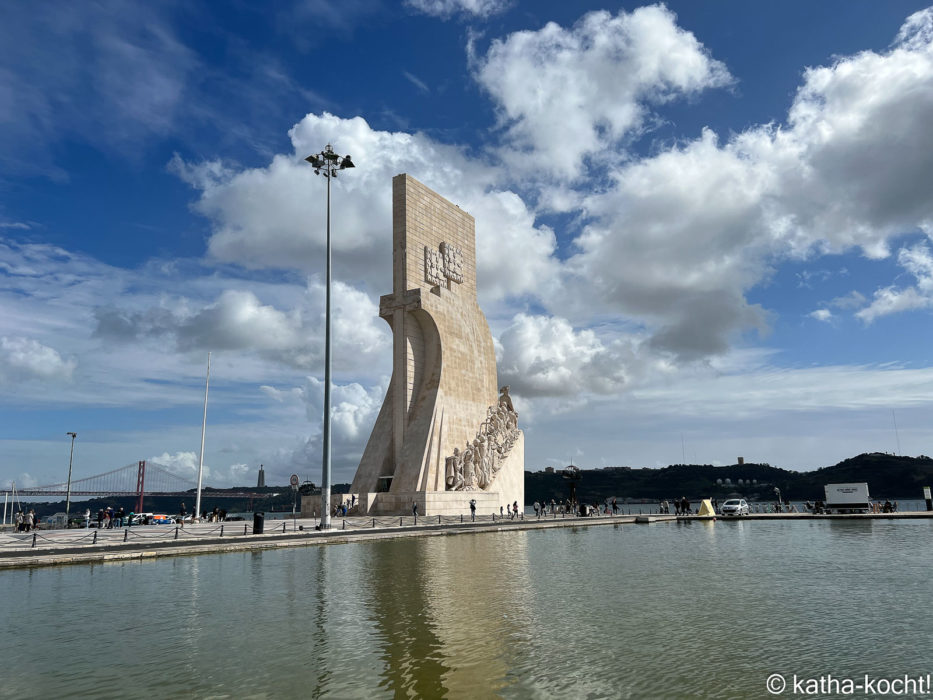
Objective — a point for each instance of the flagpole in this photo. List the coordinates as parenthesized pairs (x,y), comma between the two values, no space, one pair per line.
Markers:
(197,503)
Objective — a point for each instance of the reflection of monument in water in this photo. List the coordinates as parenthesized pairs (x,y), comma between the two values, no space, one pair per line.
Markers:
(444,435)
(445,612)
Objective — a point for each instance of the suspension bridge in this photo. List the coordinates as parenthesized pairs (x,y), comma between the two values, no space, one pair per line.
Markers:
(144,478)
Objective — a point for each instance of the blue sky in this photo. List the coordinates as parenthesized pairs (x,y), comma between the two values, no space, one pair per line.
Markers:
(703,226)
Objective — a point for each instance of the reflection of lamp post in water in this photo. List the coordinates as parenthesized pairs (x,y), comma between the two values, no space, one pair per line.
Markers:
(327,163)
(572,474)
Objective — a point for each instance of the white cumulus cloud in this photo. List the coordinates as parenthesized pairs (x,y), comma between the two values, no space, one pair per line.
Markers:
(564,94)
(546,356)
(23,359)
(824,315)
(274,217)
(681,236)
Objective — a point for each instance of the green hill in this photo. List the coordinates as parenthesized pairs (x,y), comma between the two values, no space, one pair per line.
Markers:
(888,476)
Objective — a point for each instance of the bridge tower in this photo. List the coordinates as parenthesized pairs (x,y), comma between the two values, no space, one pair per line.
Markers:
(140,485)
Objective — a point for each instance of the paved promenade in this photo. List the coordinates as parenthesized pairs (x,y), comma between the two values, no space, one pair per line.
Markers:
(57,547)
(53,547)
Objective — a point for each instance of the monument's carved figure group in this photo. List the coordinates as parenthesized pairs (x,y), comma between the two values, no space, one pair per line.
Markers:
(444,436)
(478,464)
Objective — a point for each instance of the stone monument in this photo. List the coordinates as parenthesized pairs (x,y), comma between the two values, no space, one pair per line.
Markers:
(446,434)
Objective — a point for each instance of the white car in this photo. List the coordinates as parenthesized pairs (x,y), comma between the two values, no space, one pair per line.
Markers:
(734,506)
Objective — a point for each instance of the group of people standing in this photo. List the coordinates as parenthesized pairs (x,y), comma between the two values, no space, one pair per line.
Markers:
(107,518)
(681,506)
(344,507)
(544,508)
(512,509)
(218,515)
(26,521)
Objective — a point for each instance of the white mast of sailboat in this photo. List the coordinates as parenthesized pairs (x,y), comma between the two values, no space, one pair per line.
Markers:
(197,503)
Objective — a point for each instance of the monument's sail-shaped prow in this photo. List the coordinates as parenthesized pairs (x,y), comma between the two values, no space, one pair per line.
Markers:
(443,436)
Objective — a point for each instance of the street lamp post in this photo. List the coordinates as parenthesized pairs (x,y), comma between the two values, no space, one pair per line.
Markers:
(327,163)
(68,489)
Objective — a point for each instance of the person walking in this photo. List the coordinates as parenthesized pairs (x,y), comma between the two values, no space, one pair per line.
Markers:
(515,509)
(87,518)
(473,510)
(414,510)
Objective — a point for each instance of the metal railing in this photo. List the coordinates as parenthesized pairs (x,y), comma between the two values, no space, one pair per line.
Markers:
(153,534)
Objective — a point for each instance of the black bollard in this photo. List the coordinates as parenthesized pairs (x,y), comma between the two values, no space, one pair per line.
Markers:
(374,523)
(283,526)
(95,537)
(34,539)
(244,529)
(438,520)
(399,522)
(176,532)
(126,533)
(461,517)
(221,530)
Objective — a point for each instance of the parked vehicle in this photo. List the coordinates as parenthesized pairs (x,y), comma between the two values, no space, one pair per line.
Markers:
(54,522)
(734,507)
(847,498)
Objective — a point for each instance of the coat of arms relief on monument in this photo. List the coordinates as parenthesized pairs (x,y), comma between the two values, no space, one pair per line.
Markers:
(442,264)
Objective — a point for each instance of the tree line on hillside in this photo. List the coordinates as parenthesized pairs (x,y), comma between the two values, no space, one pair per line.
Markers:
(888,476)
